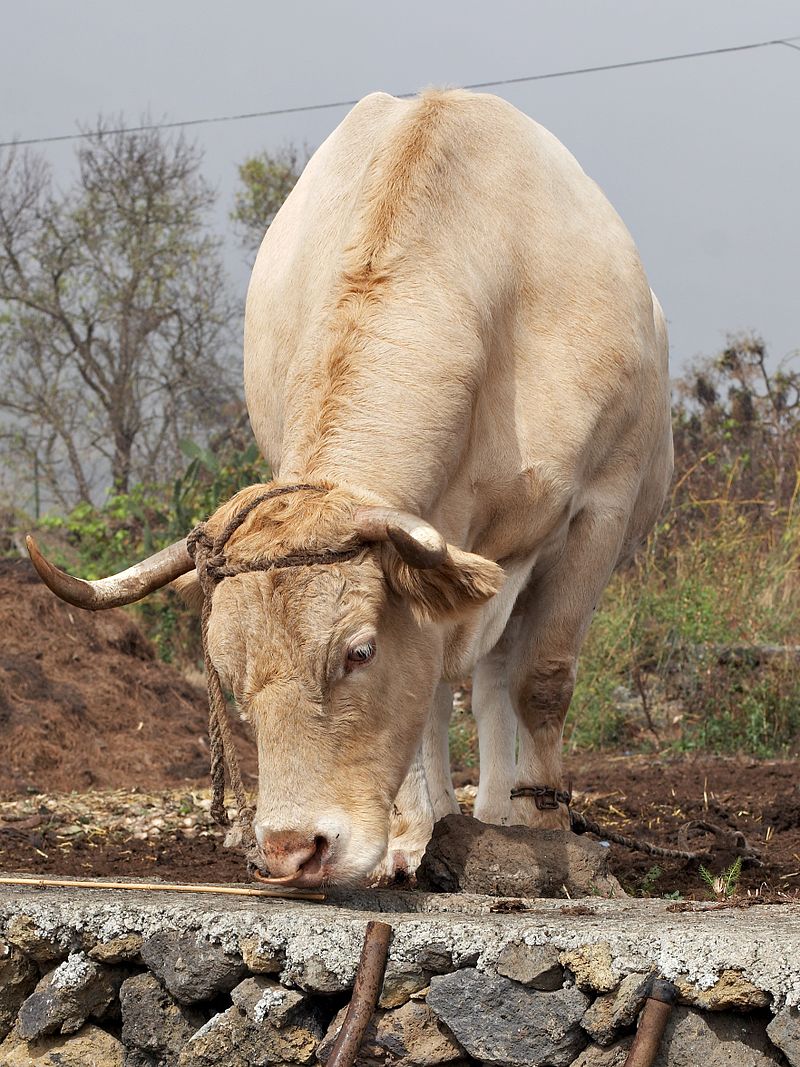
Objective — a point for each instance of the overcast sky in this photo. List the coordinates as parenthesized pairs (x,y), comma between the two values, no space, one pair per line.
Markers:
(701,157)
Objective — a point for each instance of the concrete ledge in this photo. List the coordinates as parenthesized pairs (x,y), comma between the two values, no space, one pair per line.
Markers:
(761,942)
(156,979)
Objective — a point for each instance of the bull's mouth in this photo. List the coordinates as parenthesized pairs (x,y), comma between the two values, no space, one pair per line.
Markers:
(286,879)
(314,873)
(301,879)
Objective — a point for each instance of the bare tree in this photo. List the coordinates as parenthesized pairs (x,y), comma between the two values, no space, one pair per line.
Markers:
(736,424)
(115,322)
(266,181)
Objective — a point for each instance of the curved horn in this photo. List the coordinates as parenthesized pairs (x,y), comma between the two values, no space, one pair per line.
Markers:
(416,541)
(123,588)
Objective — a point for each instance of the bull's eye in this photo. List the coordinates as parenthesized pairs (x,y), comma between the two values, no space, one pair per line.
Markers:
(358,655)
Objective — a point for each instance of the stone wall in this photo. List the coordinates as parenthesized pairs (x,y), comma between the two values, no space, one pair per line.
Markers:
(144,979)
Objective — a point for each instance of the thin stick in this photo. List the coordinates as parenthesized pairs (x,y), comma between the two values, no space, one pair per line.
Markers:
(165,887)
(366,990)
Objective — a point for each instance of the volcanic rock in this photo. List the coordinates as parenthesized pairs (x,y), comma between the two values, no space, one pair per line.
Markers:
(467,856)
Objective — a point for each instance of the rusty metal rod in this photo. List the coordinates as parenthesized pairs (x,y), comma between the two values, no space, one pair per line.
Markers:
(657,1010)
(366,990)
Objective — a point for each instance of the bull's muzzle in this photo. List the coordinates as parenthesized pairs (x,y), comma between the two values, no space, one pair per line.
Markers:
(292,858)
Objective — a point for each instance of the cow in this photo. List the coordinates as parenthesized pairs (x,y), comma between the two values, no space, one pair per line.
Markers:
(458,372)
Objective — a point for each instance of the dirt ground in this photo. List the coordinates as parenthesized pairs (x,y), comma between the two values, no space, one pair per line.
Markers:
(168,834)
(104,763)
(84,703)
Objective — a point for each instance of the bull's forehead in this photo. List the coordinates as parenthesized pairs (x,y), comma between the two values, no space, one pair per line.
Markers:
(270,625)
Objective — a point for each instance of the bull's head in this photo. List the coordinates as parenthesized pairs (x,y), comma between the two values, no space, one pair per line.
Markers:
(334,665)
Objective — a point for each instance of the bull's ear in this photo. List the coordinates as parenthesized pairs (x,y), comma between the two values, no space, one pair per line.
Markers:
(462,582)
(188,586)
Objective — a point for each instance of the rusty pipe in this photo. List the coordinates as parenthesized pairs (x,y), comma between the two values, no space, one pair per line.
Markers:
(657,1010)
(366,990)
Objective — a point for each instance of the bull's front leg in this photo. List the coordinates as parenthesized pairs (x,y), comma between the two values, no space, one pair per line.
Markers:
(436,753)
(410,828)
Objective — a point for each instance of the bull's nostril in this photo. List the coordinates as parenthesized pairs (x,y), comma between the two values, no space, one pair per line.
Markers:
(288,855)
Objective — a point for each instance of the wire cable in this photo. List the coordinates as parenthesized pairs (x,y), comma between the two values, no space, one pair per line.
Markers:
(209,120)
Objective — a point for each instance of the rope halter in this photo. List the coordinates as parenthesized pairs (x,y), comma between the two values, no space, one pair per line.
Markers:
(213,567)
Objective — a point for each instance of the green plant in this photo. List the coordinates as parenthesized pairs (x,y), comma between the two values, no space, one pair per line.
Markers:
(648,882)
(723,885)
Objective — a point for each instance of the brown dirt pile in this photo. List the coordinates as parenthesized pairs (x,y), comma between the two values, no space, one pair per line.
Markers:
(85,704)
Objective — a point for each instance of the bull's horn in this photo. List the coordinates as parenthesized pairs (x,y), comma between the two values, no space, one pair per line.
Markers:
(417,542)
(123,588)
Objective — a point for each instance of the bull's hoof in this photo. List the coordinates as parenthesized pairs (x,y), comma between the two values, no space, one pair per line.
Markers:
(397,868)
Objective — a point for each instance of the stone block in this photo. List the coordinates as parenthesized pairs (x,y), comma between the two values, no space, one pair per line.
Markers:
(267,1024)
(24,932)
(153,1023)
(260,958)
(715,1039)
(122,949)
(501,1022)
(613,1056)
(315,976)
(591,965)
(18,978)
(534,966)
(613,1012)
(468,856)
(90,1047)
(410,1036)
(401,981)
(731,992)
(192,969)
(79,988)
(784,1031)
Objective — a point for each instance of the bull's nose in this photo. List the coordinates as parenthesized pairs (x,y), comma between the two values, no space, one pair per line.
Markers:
(289,854)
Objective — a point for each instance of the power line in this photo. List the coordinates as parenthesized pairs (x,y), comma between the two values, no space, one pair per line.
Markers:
(209,120)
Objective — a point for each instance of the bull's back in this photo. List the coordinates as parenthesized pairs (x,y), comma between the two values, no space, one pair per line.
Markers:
(490,261)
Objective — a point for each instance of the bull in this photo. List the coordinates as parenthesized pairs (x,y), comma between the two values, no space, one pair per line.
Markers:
(458,372)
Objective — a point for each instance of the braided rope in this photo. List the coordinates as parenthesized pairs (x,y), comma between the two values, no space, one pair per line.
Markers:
(580,824)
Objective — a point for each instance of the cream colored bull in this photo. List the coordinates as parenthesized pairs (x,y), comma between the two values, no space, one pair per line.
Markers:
(449,335)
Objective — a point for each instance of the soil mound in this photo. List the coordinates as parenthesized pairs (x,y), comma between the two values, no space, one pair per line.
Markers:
(85,704)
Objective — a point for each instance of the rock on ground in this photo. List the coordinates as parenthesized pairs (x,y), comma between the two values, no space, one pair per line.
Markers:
(715,1039)
(64,999)
(91,1047)
(154,1023)
(784,1031)
(500,1022)
(409,1036)
(468,856)
(192,969)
